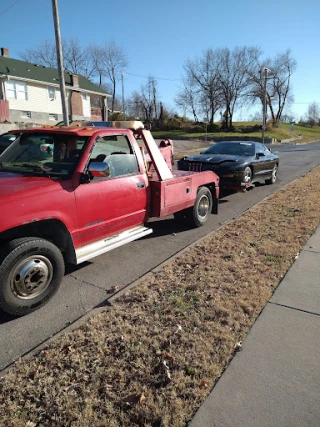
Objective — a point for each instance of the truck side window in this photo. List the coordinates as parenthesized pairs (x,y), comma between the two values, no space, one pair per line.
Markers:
(115,150)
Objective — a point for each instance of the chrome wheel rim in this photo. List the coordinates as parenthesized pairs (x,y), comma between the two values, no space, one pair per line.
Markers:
(274,174)
(31,277)
(247,175)
(203,207)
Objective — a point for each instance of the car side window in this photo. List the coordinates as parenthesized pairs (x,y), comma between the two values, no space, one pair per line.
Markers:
(260,149)
(116,151)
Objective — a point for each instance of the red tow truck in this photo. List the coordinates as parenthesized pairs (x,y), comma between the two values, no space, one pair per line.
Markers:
(69,194)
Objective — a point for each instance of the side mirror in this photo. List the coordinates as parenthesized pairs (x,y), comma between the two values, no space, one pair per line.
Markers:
(258,155)
(99,169)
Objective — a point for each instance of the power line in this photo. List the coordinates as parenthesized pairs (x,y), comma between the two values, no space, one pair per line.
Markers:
(156,78)
(6,10)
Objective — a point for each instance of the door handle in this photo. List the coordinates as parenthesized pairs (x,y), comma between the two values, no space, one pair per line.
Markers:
(141,185)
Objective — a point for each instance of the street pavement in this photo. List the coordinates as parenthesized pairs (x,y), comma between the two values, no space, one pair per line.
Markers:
(275,380)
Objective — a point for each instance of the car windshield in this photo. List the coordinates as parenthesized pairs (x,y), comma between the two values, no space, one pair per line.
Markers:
(232,148)
(48,154)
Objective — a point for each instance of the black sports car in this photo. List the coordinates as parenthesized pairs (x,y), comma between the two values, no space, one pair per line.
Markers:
(237,163)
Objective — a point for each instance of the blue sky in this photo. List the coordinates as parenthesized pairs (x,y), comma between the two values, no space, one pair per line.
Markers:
(159,36)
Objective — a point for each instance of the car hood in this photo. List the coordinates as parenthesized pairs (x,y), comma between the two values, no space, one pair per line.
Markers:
(14,186)
(215,159)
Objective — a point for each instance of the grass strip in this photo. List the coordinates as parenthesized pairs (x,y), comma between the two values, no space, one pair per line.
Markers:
(152,358)
(301,133)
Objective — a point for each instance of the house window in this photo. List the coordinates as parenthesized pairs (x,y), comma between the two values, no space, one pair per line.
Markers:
(84,96)
(51,93)
(16,90)
(53,117)
(26,114)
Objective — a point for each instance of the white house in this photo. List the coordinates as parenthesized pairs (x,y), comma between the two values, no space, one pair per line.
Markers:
(30,93)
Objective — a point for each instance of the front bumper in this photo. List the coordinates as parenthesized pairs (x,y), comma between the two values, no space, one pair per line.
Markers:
(227,176)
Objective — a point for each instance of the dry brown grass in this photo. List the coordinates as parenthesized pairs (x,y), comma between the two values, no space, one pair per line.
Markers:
(153,357)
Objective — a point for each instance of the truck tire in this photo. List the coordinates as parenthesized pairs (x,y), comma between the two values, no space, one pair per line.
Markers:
(198,214)
(202,207)
(31,270)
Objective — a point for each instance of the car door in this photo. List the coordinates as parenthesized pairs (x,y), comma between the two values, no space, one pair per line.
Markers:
(269,161)
(107,205)
(262,161)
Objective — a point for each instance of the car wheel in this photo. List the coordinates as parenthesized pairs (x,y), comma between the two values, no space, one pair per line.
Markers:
(247,175)
(31,271)
(273,178)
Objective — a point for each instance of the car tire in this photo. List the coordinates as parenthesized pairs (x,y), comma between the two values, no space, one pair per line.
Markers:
(247,175)
(31,270)
(273,178)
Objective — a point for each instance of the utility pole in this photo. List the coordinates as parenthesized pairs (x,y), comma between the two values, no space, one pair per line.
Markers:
(60,62)
(264,118)
(123,106)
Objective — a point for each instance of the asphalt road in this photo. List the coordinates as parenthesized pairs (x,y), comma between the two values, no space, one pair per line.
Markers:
(87,285)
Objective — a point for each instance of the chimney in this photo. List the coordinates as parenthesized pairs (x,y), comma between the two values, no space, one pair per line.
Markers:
(5,52)
(74,80)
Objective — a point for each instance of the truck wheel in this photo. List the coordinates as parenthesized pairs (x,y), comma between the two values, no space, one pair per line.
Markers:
(31,270)
(199,213)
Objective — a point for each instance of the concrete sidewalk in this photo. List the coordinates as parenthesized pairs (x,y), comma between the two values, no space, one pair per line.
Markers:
(275,379)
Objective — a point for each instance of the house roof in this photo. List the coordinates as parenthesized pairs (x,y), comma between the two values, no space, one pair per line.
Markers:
(26,70)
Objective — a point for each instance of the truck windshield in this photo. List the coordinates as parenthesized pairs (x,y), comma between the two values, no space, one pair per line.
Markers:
(47,154)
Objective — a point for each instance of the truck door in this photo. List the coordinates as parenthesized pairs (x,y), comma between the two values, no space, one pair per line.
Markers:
(109,205)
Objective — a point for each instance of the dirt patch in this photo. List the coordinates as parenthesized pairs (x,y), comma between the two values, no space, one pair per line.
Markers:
(152,358)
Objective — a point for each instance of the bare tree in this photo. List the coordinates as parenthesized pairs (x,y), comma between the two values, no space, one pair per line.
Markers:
(202,72)
(147,101)
(102,61)
(233,68)
(43,54)
(188,98)
(217,80)
(283,67)
(135,106)
(109,60)
(144,104)
(313,114)
(278,89)
(78,59)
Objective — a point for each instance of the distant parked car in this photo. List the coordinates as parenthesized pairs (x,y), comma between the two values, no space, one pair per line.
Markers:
(5,140)
(235,162)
